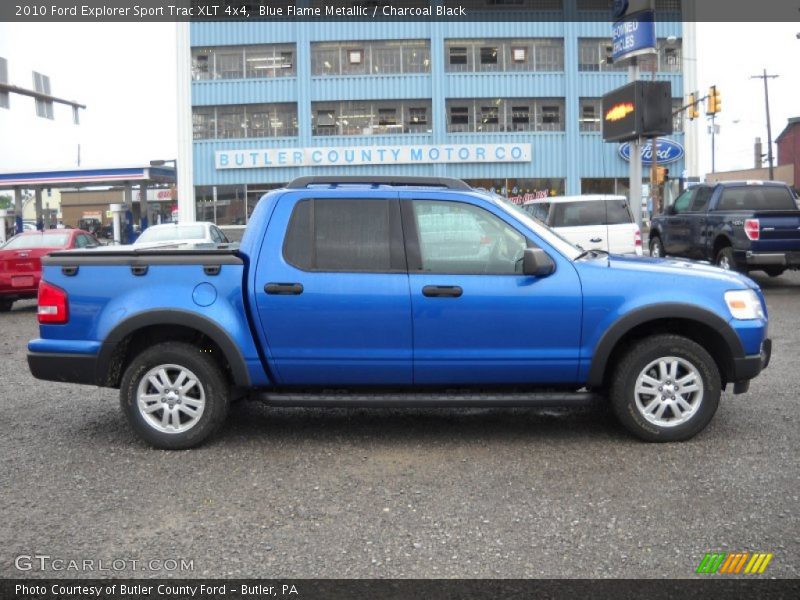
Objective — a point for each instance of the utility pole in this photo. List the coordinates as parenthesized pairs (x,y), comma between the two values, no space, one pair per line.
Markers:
(765,77)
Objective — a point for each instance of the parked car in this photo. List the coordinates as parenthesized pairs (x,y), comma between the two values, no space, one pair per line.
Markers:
(354,295)
(20,260)
(591,221)
(739,225)
(168,234)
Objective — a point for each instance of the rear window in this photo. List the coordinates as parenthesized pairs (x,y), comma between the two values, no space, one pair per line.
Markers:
(168,234)
(604,212)
(756,198)
(37,240)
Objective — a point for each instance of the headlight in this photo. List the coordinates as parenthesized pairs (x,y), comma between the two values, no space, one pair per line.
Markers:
(744,304)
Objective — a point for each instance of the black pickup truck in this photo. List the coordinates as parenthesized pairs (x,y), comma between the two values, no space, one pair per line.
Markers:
(742,225)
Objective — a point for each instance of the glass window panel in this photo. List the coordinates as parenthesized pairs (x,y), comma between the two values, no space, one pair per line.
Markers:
(455,237)
(229,64)
(202,63)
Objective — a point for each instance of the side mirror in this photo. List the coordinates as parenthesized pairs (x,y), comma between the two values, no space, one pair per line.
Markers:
(537,263)
(670,210)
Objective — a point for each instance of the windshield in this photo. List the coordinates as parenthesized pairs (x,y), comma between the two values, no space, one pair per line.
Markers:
(37,240)
(551,237)
(172,233)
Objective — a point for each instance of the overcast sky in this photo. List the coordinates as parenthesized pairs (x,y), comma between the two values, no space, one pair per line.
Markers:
(125,74)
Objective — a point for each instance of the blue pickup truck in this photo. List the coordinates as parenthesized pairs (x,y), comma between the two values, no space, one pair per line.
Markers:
(738,225)
(382,291)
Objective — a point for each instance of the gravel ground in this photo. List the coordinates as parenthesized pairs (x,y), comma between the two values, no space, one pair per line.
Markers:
(390,493)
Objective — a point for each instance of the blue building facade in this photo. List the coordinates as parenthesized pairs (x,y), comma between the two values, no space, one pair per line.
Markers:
(509,106)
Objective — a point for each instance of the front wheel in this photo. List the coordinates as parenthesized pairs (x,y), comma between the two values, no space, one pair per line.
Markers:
(656,248)
(174,395)
(665,389)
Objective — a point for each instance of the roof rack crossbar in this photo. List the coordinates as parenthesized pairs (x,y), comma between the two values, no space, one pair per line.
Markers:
(443,182)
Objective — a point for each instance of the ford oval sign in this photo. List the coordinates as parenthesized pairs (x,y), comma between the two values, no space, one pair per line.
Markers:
(667,151)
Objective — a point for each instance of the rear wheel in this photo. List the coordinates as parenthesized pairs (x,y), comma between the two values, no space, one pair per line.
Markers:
(174,396)
(665,389)
(5,304)
(656,247)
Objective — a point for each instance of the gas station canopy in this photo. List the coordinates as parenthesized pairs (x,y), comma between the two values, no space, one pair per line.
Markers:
(72,178)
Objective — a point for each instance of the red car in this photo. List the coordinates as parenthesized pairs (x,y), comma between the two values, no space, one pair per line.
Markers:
(20,260)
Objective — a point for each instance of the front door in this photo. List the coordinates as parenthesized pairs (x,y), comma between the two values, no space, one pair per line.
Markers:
(477,319)
(331,291)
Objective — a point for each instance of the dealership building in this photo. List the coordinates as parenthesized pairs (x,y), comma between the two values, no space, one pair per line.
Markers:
(511,106)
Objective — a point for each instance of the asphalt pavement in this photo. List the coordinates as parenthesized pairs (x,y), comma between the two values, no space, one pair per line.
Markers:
(436,493)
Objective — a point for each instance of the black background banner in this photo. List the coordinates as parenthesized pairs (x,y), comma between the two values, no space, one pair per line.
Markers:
(707,588)
(386,10)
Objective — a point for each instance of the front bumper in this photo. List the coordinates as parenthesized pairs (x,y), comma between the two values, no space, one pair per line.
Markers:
(69,368)
(748,367)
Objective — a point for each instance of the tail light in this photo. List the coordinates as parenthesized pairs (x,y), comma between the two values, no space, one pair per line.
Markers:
(752,229)
(637,238)
(53,304)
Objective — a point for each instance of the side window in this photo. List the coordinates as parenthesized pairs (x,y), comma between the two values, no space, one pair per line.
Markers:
(81,241)
(701,198)
(345,235)
(455,237)
(684,201)
(223,239)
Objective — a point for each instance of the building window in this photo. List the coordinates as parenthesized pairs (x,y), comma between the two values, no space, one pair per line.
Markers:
(595,54)
(677,115)
(4,96)
(501,114)
(41,83)
(370,117)
(589,118)
(378,58)
(244,121)
(534,54)
(238,62)
(488,56)
(519,191)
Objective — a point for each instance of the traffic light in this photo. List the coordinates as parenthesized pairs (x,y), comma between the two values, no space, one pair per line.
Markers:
(693,113)
(714,101)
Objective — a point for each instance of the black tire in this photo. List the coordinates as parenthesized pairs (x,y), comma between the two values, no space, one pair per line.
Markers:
(774,271)
(726,260)
(6,304)
(633,364)
(656,247)
(211,384)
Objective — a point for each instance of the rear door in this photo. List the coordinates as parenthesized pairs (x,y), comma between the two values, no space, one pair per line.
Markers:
(477,319)
(331,291)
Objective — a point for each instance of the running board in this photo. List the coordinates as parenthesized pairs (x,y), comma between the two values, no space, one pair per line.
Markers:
(427,400)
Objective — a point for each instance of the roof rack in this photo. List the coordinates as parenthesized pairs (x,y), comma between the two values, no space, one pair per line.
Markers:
(442,182)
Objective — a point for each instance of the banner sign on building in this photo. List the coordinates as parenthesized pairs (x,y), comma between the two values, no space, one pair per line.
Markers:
(667,151)
(346,156)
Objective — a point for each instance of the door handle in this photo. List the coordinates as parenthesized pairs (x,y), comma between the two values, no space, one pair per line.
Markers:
(596,240)
(284,289)
(442,291)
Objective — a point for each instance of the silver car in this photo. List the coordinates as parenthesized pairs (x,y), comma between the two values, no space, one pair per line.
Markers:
(171,234)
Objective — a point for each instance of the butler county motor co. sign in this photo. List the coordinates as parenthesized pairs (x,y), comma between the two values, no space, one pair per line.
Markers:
(372,155)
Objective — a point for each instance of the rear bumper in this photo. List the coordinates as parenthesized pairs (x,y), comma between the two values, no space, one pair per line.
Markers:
(778,259)
(69,368)
(749,367)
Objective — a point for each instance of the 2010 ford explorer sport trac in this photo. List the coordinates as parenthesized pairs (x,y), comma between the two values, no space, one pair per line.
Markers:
(396,292)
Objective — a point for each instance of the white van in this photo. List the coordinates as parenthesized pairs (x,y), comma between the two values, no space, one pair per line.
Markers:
(592,221)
